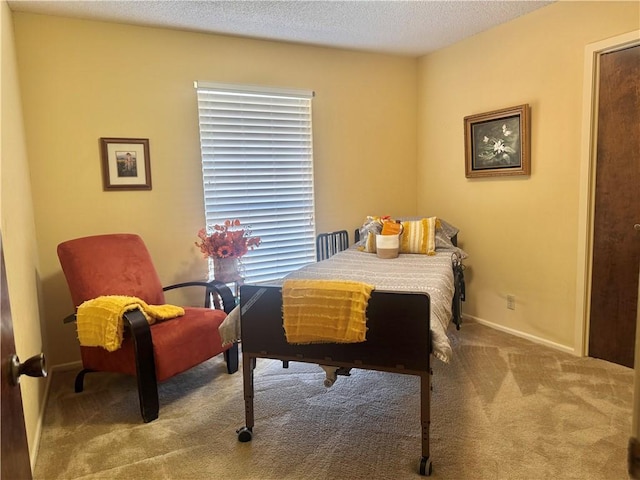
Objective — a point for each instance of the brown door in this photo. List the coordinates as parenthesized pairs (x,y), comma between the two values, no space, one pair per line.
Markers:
(15,451)
(616,244)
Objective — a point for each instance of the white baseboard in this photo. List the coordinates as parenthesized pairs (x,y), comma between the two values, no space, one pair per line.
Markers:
(43,406)
(34,451)
(68,366)
(517,333)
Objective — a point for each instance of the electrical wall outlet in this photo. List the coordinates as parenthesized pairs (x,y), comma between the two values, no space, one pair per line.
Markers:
(511,302)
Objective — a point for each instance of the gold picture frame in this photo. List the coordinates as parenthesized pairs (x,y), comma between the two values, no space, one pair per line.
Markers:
(126,164)
(497,143)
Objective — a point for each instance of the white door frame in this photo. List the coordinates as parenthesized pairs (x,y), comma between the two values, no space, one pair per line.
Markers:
(587,179)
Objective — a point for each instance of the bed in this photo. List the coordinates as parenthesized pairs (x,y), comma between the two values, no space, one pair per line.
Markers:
(414,300)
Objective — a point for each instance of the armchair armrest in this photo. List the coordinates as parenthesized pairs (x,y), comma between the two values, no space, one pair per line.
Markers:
(140,330)
(222,297)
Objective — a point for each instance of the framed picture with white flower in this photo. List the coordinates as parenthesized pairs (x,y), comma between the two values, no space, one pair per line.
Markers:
(497,143)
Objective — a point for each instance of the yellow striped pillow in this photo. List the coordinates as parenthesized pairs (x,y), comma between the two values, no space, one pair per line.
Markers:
(419,236)
(370,246)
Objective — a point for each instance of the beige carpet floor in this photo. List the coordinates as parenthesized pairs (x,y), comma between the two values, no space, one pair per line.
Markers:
(504,408)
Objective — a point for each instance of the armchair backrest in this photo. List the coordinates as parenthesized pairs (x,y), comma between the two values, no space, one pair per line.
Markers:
(114,264)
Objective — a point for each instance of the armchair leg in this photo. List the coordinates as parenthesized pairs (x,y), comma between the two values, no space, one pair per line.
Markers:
(145,364)
(79,384)
(231,357)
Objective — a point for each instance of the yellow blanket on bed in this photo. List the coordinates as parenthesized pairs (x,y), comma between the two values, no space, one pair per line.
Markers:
(100,323)
(325,311)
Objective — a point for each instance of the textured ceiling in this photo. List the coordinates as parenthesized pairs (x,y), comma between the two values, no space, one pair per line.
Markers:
(411,27)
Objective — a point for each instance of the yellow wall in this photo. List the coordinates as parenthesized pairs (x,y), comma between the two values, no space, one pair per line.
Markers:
(19,232)
(521,233)
(82,80)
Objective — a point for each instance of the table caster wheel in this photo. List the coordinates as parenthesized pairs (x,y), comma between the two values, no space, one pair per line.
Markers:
(244,434)
(426,467)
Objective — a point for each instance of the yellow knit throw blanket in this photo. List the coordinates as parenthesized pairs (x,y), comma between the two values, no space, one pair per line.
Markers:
(325,311)
(100,324)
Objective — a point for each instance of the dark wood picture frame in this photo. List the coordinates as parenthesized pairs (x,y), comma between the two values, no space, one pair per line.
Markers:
(126,163)
(497,143)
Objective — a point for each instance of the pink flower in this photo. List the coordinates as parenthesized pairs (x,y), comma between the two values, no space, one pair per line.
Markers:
(227,240)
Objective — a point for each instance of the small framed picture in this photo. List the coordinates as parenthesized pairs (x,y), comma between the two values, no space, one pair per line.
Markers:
(497,143)
(125,163)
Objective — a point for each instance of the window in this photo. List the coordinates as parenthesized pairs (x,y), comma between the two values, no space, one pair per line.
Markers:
(257,166)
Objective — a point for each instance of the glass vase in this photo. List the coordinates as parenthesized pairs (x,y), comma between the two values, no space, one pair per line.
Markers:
(226,270)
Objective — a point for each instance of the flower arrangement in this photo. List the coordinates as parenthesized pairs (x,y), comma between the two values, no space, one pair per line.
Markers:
(227,240)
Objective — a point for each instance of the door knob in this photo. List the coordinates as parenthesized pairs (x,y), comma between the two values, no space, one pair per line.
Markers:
(33,367)
(637,226)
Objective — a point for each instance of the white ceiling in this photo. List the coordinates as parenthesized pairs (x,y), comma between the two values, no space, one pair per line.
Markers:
(403,27)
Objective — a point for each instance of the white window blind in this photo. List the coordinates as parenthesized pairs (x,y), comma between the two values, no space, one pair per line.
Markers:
(257,166)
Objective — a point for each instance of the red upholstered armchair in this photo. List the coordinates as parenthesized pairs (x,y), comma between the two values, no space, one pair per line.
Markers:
(120,264)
